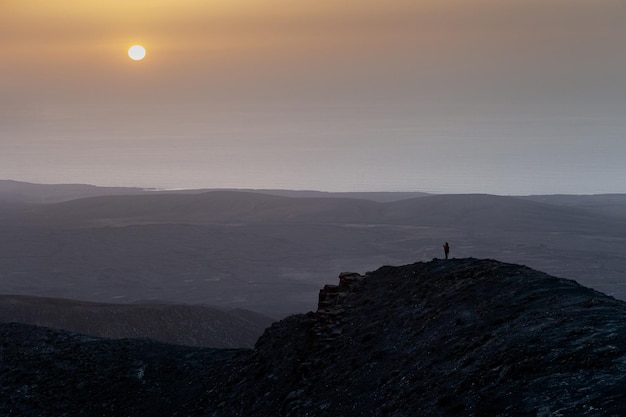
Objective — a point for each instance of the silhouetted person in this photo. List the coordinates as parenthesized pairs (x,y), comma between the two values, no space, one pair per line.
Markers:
(446,249)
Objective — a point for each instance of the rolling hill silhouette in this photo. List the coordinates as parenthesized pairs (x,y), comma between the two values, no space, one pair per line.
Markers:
(270,253)
(471,210)
(190,325)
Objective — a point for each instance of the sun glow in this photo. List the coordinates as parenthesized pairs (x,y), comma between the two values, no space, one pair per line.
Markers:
(137,52)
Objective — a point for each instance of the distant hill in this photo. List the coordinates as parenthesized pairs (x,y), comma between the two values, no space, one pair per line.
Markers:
(191,325)
(234,207)
(381,197)
(270,253)
(206,208)
(457,338)
(488,212)
(25,192)
(607,204)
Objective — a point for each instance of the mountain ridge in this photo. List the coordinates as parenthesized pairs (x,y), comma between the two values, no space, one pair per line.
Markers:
(458,337)
(464,337)
(239,207)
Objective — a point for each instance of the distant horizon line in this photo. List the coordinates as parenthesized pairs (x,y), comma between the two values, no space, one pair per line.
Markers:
(299,190)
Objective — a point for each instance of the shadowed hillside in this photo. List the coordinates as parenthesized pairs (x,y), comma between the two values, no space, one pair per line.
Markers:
(191,325)
(462,337)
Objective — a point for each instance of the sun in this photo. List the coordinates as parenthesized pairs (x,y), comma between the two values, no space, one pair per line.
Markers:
(136,52)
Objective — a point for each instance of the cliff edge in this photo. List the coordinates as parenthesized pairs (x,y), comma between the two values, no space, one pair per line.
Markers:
(461,337)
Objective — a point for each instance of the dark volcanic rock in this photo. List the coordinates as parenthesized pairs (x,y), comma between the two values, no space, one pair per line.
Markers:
(45,372)
(455,338)
(445,338)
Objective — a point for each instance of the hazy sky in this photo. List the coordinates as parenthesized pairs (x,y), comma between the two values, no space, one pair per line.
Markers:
(496,96)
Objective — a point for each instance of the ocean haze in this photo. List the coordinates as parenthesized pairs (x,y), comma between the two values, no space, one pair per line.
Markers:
(517,157)
(506,97)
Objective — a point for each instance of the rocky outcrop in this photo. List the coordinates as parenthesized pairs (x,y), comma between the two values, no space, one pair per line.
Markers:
(456,338)
(461,337)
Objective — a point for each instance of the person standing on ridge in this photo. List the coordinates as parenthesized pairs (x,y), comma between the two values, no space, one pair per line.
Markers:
(446,249)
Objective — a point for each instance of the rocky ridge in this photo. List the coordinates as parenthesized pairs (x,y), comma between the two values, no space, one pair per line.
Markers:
(460,337)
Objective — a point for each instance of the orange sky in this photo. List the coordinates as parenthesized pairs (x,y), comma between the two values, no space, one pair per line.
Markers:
(345,70)
(78,45)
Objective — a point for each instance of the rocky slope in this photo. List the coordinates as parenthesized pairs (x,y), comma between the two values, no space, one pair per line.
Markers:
(460,337)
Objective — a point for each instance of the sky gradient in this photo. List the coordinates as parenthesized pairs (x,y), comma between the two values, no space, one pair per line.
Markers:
(495,96)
